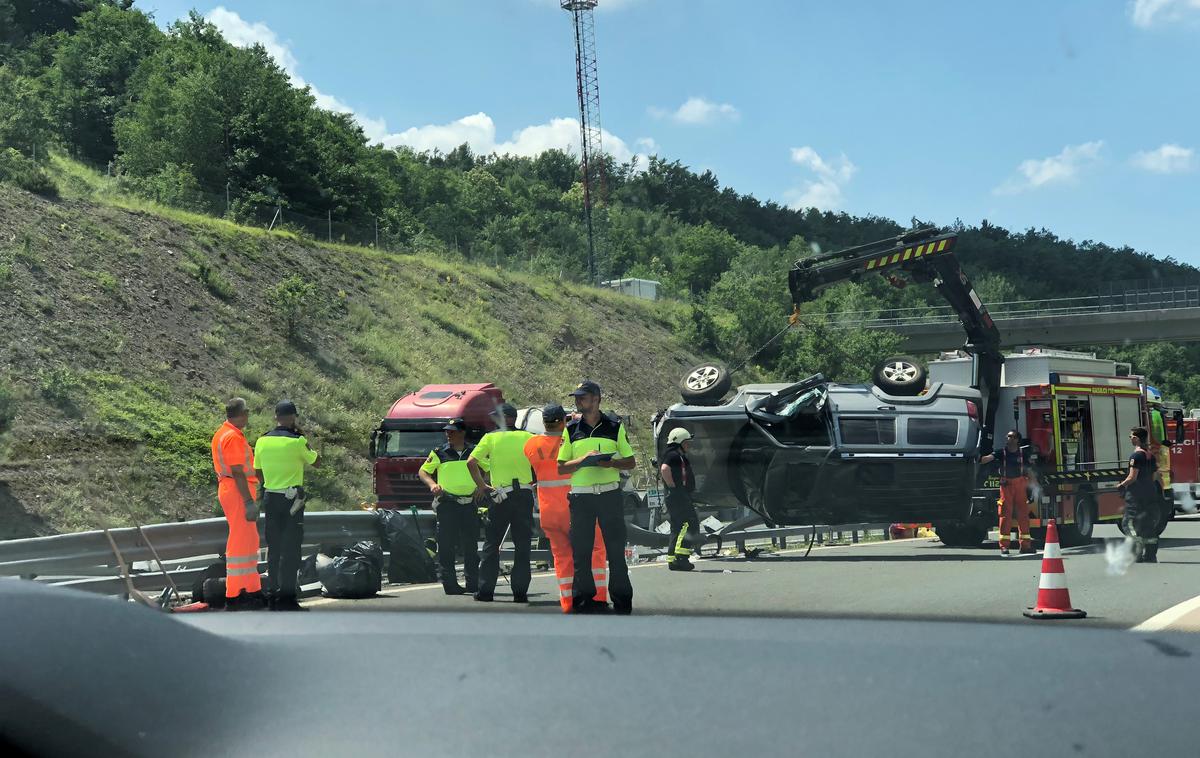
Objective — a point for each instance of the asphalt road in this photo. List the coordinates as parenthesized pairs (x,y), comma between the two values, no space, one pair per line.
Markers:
(918,578)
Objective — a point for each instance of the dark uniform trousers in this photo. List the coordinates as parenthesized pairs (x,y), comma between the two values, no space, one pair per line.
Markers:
(457,528)
(515,512)
(1142,516)
(285,533)
(685,523)
(607,510)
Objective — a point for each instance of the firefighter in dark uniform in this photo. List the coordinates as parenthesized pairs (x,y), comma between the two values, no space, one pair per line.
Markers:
(1142,502)
(676,473)
(594,451)
(455,502)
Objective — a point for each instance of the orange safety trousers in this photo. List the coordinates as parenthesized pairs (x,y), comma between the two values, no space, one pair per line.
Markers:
(556,523)
(1012,495)
(241,549)
(552,489)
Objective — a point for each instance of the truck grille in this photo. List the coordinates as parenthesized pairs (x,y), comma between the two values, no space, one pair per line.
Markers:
(404,490)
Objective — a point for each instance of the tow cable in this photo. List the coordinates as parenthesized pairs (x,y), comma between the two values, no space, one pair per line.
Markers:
(793,320)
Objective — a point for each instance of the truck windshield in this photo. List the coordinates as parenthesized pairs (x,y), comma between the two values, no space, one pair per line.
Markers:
(410,443)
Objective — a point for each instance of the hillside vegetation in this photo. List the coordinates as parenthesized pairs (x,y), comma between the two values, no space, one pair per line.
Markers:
(126,330)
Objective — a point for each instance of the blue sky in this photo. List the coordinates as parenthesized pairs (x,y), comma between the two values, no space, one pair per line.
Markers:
(1081,116)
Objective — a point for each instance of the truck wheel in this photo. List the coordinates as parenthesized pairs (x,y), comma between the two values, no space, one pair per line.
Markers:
(1080,533)
(705,384)
(1167,512)
(900,375)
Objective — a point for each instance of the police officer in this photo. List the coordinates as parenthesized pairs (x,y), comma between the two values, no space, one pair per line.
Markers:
(1142,501)
(281,455)
(510,503)
(1013,464)
(595,450)
(676,473)
(454,500)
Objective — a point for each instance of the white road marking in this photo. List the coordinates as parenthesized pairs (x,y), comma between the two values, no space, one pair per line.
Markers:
(652,564)
(1160,621)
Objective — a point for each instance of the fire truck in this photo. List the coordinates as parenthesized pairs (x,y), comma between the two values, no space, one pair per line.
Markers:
(1184,434)
(1074,411)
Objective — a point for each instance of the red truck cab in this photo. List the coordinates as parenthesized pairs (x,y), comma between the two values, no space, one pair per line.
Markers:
(413,427)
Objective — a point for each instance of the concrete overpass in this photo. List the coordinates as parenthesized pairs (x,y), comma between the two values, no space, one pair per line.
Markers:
(1160,315)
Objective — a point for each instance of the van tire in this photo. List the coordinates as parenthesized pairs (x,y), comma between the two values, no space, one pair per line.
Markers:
(900,375)
(705,384)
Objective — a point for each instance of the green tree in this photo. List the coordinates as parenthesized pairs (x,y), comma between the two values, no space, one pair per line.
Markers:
(92,66)
(295,303)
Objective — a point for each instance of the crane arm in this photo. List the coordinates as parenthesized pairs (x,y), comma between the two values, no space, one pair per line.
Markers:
(922,255)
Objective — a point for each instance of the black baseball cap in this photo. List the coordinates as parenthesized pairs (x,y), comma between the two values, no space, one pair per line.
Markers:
(553,412)
(508,410)
(586,387)
(286,408)
(455,425)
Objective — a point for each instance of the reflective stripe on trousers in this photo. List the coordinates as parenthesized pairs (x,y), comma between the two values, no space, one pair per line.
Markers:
(241,548)
(556,522)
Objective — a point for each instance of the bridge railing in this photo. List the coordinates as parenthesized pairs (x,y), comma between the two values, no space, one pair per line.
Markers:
(1128,300)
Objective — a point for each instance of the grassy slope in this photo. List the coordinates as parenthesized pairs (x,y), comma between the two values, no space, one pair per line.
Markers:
(126,325)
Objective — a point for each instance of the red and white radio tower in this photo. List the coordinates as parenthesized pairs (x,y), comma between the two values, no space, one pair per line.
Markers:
(588,88)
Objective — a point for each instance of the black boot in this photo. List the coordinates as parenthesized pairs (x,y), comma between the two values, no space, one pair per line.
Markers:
(1150,554)
(680,564)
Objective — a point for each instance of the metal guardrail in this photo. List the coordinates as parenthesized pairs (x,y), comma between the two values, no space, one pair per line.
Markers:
(71,554)
(778,535)
(1129,301)
(85,560)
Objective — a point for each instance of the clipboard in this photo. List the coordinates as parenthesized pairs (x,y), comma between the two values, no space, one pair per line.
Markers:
(595,458)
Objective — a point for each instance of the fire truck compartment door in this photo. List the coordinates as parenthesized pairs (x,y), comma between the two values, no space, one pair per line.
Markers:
(1129,415)
(1106,436)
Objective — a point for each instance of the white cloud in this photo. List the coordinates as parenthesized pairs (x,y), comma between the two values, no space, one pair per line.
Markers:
(1063,168)
(1147,13)
(824,192)
(1167,159)
(477,130)
(646,144)
(696,111)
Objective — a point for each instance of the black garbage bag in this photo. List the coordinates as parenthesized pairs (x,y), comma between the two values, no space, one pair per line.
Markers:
(357,572)
(214,571)
(410,559)
(308,570)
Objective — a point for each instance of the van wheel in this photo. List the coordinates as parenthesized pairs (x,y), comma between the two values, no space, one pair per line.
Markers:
(705,384)
(900,375)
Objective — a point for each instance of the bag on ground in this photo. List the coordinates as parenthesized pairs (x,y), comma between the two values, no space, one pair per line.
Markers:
(409,559)
(356,572)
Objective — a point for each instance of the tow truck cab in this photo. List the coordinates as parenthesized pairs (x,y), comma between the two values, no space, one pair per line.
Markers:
(413,427)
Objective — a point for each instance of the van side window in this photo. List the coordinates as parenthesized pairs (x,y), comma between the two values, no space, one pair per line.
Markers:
(868,431)
(932,431)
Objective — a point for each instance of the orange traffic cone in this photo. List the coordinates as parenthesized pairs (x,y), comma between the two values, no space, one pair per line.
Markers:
(1053,599)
